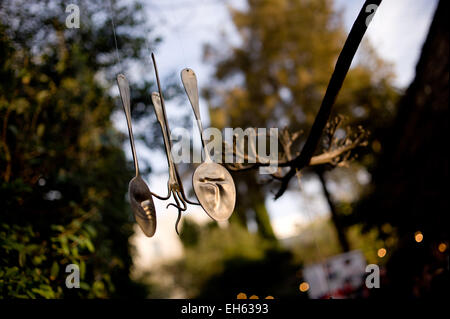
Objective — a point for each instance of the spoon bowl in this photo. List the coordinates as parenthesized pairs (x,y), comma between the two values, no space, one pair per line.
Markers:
(213,184)
(215,190)
(142,205)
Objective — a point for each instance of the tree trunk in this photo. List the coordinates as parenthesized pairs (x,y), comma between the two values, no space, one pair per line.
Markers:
(262,216)
(252,200)
(340,229)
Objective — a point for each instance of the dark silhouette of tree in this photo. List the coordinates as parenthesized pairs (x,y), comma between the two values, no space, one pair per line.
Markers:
(411,176)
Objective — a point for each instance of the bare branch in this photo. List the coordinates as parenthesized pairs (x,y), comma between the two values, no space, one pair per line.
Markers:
(330,156)
(336,152)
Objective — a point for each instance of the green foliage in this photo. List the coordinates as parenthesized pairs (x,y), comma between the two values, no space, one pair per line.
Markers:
(35,266)
(63,173)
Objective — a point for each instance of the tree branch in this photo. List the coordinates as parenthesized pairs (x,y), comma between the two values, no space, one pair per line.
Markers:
(337,79)
(324,158)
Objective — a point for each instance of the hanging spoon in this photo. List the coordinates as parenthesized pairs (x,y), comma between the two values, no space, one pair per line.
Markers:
(212,183)
(174,185)
(140,196)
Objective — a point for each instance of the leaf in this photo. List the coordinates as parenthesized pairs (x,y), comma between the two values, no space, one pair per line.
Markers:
(64,245)
(40,130)
(91,230)
(42,95)
(45,291)
(98,288)
(89,245)
(74,251)
(37,260)
(20,105)
(82,269)
(22,258)
(54,271)
(59,228)
(84,286)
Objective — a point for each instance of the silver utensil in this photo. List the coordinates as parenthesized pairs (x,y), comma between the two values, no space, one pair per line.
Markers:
(174,185)
(213,184)
(140,196)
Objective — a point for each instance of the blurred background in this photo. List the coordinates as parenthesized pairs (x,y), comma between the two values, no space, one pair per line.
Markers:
(65,159)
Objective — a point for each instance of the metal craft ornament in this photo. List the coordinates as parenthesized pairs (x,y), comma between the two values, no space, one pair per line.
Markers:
(174,185)
(140,196)
(213,184)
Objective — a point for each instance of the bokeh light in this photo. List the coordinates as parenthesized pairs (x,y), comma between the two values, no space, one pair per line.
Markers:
(442,247)
(418,236)
(304,287)
(381,252)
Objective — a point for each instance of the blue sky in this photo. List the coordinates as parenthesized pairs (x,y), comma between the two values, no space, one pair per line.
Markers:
(397,33)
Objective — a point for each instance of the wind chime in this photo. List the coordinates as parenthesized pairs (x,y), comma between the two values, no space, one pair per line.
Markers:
(213,184)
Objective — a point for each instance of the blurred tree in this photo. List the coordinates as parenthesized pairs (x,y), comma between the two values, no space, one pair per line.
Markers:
(222,262)
(63,174)
(277,78)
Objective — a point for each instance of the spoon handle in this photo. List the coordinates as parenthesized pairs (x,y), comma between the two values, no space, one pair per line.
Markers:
(161,98)
(189,80)
(158,103)
(159,110)
(124,89)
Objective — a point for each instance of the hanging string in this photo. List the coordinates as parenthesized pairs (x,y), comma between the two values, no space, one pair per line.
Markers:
(115,36)
(177,33)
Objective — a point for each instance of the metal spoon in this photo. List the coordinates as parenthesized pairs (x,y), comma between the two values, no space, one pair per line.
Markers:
(174,185)
(212,183)
(140,196)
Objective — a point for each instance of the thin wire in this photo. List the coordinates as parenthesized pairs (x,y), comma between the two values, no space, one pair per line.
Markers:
(114,33)
(177,33)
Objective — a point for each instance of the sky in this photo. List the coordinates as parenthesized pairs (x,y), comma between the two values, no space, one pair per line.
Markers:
(397,33)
